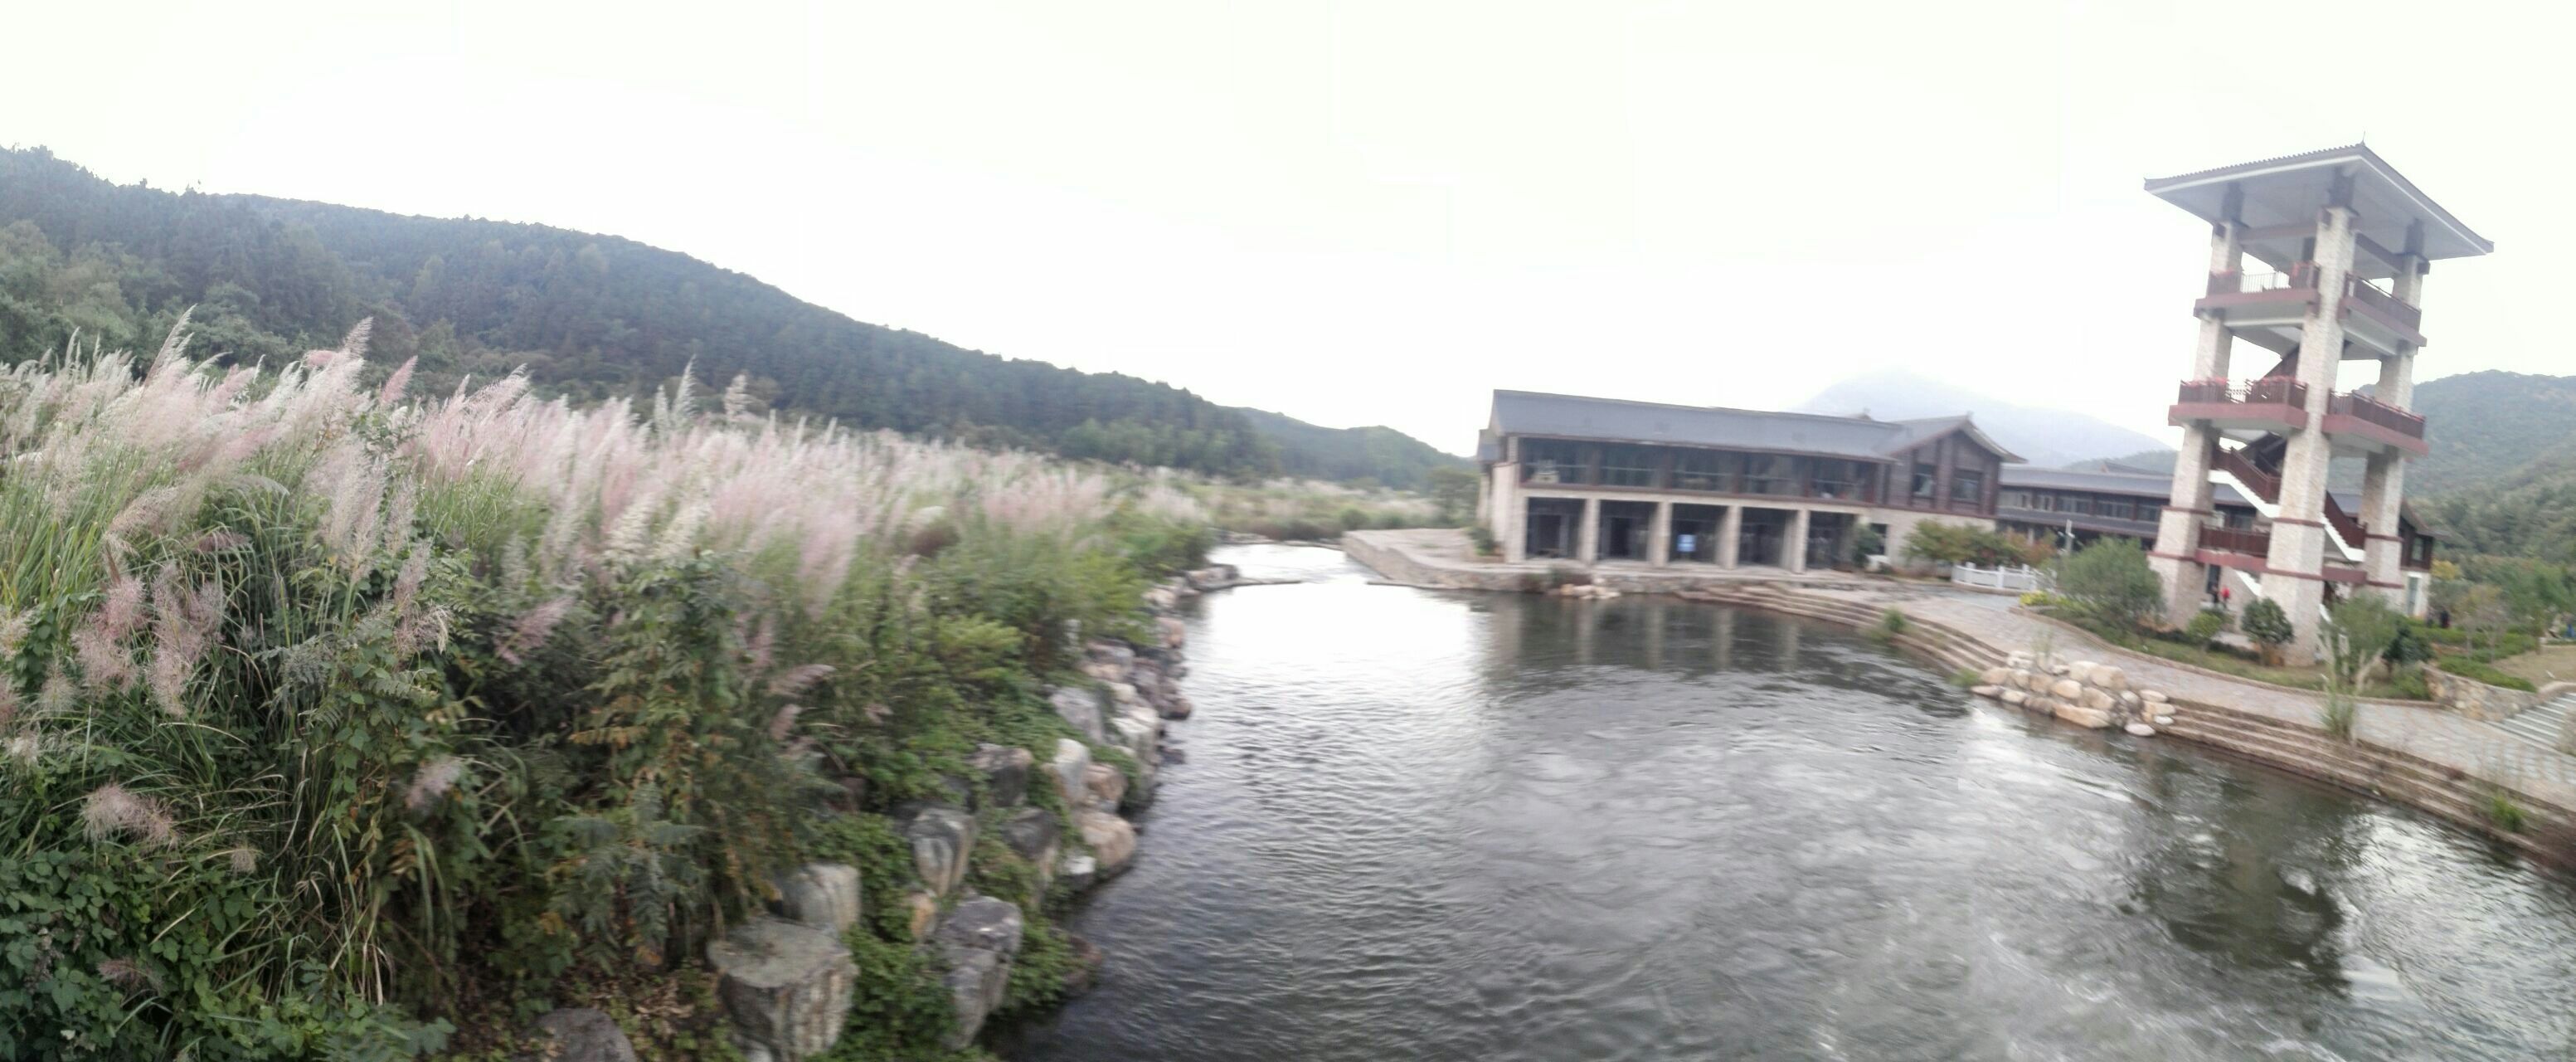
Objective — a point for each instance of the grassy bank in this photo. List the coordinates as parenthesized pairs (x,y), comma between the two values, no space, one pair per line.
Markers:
(1303,509)
(340,724)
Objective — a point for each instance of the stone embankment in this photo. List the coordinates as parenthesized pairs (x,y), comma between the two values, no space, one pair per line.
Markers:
(2084,693)
(786,979)
(2433,761)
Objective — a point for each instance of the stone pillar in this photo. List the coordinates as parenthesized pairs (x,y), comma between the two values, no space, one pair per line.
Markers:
(1794,552)
(1509,517)
(2293,575)
(1730,534)
(1587,538)
(2178,529)
(1659,551)
(2383,484)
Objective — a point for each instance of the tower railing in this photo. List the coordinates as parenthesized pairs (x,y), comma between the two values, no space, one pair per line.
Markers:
(2267,391)
(2232,540)
(2372,411)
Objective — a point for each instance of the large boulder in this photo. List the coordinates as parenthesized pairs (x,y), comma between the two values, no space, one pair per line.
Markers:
(1087,961)
(1173,631)
(978,940)
(1005,770)
(1112,839)
(1083,708)
(786,986)
(2082,716)
(825,896)
(942,837)
(1077,870)
(580,1034)
(1111,652)
(1072,764)
(2066,689)
(1103,787)
(1034,834)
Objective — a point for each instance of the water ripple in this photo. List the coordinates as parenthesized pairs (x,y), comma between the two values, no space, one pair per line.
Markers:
(1444,826)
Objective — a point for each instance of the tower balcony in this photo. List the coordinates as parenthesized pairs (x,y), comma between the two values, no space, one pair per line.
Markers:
(2279,405)
(2269,308)
(2271,404)
(2367,424)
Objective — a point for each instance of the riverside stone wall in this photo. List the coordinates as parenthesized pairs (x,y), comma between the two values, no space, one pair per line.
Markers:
(2083,692)
(2477,700)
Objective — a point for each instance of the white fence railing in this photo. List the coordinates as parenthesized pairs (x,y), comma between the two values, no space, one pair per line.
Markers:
(2018,578)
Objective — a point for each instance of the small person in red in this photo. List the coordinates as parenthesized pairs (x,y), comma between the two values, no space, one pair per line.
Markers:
(2223,594)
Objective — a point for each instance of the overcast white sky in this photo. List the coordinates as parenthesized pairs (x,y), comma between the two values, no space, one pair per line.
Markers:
(1376,212)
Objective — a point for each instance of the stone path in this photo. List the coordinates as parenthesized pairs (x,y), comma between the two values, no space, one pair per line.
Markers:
(2488,751)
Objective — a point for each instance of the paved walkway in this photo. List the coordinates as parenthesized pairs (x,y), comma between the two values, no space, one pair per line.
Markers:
(2483,750)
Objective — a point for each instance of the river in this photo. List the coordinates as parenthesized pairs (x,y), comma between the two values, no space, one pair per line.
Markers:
(1425,825)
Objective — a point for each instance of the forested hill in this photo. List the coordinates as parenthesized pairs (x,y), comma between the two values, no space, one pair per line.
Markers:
(589,316)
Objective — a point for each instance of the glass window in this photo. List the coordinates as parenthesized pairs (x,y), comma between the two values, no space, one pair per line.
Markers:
(2081,504)
(1704,470)
(1771,474)
(1628,466)
(1924,476)
(1967,486)
(2117,510)
(2013,499)
(1552,461)
(2150,512)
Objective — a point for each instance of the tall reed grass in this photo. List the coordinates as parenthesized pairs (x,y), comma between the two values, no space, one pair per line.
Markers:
(334,716)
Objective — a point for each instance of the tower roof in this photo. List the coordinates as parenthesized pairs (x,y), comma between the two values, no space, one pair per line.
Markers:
(2291,189)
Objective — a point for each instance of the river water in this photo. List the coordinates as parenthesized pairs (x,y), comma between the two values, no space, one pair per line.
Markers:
(1423,825)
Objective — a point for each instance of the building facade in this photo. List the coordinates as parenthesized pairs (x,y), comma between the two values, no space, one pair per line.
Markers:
(1597,479)
(2339,246)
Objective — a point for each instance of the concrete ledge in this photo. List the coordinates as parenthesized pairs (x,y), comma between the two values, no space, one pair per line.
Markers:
(1444,559)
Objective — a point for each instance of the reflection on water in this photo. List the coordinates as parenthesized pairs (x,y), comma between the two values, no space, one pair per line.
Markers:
(1459,826)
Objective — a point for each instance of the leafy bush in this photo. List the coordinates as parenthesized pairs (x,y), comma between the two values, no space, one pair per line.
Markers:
(2206,625)
(2267,626)
(1941,542)
(2042,599)
(1867,542)
(1483,538)
(2110,581)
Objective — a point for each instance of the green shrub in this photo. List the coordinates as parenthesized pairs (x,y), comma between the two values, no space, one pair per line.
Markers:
(1483,537)
(2505,813)
(2408,683)
(1965,677)
(1942,542)
(1890,624)
(2266,626)
(2206,625)
(2110,581)
(2339,715)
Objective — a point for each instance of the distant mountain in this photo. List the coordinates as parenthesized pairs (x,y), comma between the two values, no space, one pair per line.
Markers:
(590,316)
(1383,454)
(2040,435)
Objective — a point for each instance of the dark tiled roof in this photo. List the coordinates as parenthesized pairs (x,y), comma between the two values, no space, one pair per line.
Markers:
(2155,487)
(1621,420)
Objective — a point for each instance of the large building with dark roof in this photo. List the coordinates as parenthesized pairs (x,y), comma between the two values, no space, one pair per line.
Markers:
(1601,479)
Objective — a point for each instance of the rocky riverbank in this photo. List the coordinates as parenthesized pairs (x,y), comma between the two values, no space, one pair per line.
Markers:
(786,981)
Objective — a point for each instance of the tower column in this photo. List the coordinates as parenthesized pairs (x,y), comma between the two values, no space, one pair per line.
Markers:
(1659,551)
(2294,572)
(2178,529)
(1507,515)
(1730,535)
(1794,551)
(2383,484)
